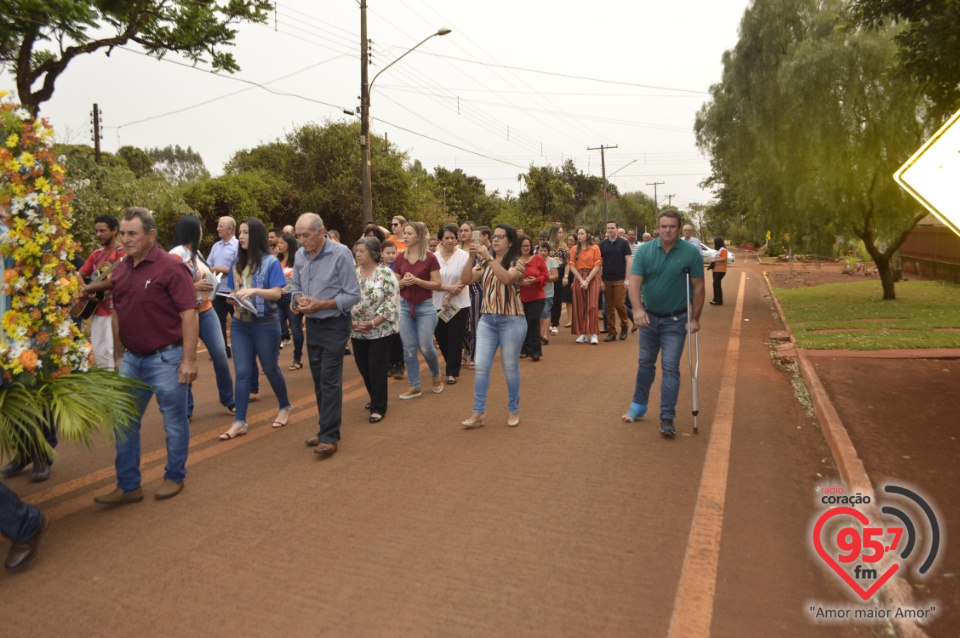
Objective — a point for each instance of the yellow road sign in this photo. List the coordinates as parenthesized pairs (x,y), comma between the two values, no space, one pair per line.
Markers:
(933,173)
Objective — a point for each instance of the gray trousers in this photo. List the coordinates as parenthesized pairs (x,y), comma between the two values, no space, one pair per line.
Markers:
(326,344)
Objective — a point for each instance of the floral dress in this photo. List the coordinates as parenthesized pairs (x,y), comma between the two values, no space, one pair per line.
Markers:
(379,295)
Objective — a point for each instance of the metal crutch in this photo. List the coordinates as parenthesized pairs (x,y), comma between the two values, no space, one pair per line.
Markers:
(694,366)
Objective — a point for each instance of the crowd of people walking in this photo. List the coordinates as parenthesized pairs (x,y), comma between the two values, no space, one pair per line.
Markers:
(392,298)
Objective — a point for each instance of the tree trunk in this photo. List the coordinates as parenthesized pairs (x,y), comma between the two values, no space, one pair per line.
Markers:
(882,260)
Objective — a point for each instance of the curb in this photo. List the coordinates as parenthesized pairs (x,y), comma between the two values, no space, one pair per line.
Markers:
(851,468)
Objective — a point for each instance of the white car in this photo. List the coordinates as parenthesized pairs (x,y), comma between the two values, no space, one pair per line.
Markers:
(710,253)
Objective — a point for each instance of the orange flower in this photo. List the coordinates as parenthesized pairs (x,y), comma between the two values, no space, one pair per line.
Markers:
(29,359)
(9,275)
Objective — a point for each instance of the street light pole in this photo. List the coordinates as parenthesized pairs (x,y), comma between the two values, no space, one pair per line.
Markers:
(365,88)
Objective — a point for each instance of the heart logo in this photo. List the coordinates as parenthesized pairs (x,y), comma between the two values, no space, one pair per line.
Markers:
(829,560)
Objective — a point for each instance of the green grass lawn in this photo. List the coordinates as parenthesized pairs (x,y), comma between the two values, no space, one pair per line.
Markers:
(852,316)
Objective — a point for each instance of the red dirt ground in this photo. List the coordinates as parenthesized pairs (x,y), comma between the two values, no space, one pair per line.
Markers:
(901,415)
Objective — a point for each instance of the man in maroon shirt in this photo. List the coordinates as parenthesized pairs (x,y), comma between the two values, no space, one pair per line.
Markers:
(101,326)
(156,321)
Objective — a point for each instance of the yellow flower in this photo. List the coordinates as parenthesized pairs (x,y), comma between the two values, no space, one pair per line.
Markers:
(12,140)
(27,159)
(12,165)
(42,184)
(45,200)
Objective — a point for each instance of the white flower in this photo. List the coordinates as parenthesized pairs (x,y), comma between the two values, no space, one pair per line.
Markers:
(22,113)
(44,278)
(64,330)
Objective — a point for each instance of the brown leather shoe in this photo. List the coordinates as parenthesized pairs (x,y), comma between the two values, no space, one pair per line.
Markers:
(119,497)
(168,489)
(20,554)
(313,441)
(326,449)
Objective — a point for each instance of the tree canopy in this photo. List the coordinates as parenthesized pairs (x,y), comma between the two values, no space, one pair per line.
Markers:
(807,126)
(927,44)
(39,38)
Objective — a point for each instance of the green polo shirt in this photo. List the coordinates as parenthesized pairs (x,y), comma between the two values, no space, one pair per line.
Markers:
(663,277)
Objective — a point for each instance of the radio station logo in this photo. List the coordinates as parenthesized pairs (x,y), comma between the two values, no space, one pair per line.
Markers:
(866,543)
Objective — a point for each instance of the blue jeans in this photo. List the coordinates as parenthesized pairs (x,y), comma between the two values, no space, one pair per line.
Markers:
(295,320)
(18,520)
(159,371)
(667,334)
(417,334)
(212,338)
(507,332)
(252,341)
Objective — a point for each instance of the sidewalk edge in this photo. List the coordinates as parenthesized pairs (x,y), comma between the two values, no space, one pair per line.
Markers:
(851,468)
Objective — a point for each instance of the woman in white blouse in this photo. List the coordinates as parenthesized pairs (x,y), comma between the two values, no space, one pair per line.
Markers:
(452,301)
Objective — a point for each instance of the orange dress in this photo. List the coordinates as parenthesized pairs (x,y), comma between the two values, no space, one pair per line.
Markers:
(586,303)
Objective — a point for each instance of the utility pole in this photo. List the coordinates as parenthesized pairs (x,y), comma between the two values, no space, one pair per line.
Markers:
(603,170)
(97,136)
(655,204)
(670,199)
(366,179)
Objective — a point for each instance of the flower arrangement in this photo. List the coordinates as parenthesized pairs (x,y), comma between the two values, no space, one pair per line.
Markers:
(38,338)
(45,375)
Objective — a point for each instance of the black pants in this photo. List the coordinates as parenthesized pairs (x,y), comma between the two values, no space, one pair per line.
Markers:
(717,288)
(449,336)
(532,344)
(558,295)
(372,357)
(222,308)
(326,343)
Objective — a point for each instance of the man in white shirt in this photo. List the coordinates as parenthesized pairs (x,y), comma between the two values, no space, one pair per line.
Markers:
(690,239)
(221,258)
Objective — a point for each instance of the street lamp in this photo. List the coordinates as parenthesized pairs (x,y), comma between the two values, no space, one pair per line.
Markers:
(365,88)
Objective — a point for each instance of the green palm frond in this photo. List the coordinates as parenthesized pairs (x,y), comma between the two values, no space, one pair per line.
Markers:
(78,405)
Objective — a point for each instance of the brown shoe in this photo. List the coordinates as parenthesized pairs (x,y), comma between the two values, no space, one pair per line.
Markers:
(326,449)
(21,554)
(313,441)
(411,393)
(168,489)
(119,497)
(437,385)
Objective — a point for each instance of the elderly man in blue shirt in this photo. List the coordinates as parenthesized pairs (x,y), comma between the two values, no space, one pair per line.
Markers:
(324,288)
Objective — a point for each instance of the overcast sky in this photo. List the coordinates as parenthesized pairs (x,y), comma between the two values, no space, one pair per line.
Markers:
(516,82)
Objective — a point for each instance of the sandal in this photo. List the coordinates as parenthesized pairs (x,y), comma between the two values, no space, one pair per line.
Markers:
(231,434)
(296,365)
(376,418)
(451,380)
(279,424)
(473,365)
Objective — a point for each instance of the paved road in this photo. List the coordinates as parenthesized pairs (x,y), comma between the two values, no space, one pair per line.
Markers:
(573,524)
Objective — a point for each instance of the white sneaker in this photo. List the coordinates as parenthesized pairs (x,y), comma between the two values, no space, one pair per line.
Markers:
(582,339)
(593,340)
(554,331)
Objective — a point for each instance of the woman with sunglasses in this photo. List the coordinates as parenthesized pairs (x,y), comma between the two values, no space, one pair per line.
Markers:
(396,227)
(418,272)
(502,323)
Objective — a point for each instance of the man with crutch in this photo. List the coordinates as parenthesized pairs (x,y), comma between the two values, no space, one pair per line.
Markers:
(660,274)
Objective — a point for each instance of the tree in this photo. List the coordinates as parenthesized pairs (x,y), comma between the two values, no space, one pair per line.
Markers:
(137,160)
(40,38)
(639,210)
(120,187)
(547,197)
(809,123)
(178,165)
(927,45)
